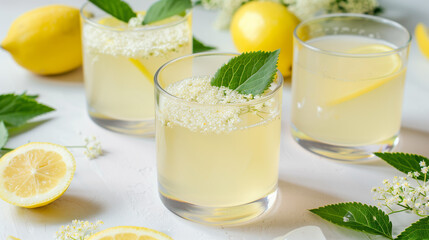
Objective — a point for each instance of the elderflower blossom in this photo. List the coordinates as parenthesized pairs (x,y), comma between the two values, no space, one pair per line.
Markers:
(303,9)
(399,195)
(78,230)
(93,147)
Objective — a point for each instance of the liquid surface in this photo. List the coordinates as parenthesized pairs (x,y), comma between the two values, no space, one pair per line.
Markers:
(348,100)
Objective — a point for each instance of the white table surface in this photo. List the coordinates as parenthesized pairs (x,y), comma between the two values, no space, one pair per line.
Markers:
(120,187)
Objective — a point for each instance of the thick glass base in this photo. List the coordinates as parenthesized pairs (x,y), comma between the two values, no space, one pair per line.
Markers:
(343,153)
(234,215)
(144,128)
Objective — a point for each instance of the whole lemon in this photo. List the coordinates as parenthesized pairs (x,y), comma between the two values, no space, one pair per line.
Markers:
(46,40)
(265,26)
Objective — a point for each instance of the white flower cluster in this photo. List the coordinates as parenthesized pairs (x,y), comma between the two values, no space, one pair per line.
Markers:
(215,115)
(135,42)
(78,230)
(303,9)
(92,147)
(399,195)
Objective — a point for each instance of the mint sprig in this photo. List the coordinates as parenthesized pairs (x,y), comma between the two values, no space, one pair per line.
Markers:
(158,11)
(117,8)
(17,110)
(198,46)
(249,73)
(369,219)
(357,216)
(164,9)
(404,162)
(417,231)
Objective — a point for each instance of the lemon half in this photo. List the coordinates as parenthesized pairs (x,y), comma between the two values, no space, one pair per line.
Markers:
(129,233)
(35,174)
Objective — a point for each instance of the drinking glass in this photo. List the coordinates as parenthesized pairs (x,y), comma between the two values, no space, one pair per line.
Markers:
(217,163)
(119,63)
(347,85)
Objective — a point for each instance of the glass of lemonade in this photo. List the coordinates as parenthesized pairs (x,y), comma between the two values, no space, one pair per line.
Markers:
(347,85)
(217,150)
(120,61)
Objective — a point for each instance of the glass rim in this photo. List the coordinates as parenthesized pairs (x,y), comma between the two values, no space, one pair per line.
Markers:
(355,15)
(134,29)
(251,102)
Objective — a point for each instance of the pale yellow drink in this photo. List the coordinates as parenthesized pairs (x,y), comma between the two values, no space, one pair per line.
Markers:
(120,61)
(212,154)
(348,100)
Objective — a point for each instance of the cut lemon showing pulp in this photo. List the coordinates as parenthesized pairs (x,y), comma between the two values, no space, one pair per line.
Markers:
(422,38)
(376,71)
(35,174)
(129,233)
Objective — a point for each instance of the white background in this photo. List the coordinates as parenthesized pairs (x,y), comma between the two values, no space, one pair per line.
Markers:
(120,187)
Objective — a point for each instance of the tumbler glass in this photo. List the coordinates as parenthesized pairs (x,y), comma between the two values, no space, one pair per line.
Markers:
(217,163)
(347,85)
(119,63)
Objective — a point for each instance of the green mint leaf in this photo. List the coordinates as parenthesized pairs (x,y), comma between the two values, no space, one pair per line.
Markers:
(249,73)
(166,8)
(16,110)
(417,231)
(3,134)
(404,162)
(198,46)
(117,8)
(357,216)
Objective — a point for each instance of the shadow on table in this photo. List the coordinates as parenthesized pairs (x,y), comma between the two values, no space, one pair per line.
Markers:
(413,141)
(63,210)
(290,209)
(73,77)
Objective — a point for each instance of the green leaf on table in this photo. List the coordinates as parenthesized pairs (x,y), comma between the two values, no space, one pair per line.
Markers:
(198,46)
(16,110)
(117,8)
(357,216)
(249,73)
(166,8)
(3,134)
(417,231)
(404,162)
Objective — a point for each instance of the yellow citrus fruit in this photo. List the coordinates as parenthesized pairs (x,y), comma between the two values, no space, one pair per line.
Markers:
(35,174)
(129,233)
(422,38)
(265,26)
(46,40)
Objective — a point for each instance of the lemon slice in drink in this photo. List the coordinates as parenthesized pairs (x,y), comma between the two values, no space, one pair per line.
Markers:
(35,174)
(376,71)
(129,233)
